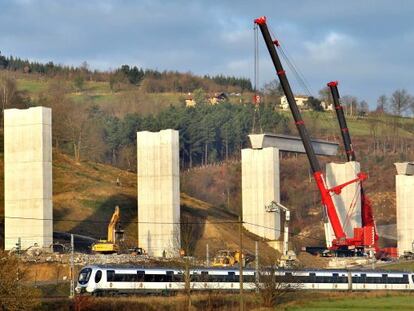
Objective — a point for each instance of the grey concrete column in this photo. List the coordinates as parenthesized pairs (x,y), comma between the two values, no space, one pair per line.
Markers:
(405,213)
(260,186)
(158,192)
(28,177)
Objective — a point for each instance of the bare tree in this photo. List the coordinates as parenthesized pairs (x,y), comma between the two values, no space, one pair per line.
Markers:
(188,241)
(325,96)
(400,101)
(8,91)
(382,104)
(274,285)
(351,104)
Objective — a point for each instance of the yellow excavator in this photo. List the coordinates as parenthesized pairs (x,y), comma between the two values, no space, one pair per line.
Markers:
(115,236)
(227,258)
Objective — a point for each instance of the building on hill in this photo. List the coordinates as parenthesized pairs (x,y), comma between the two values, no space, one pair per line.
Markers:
(301,102)
(218,98)
(212,100)
(190,102)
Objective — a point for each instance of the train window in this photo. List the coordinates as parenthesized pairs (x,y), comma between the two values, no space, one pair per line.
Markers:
(169,276)
(178,277)
(98,276)
(160,278)
(405,279)
(231,277)
(84,276)
(249,278)
(311,278)
(412,276)
(110,275)
(140,276)
(195,277)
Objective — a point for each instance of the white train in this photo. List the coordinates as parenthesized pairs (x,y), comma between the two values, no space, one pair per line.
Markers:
(101,280)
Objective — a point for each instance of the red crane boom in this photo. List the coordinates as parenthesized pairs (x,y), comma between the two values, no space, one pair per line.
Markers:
(363,237)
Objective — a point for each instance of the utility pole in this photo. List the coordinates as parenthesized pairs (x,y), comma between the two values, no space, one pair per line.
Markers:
(207,256)
(72,268)
(18,248)
(241,302)
(257,265)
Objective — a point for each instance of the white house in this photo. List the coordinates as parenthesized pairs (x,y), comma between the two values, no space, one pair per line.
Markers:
(301,102)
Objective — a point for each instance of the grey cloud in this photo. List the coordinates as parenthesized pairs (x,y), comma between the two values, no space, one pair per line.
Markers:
(370,43)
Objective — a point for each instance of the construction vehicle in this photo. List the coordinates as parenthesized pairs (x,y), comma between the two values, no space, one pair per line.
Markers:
(115,235)
(227,258)
(288,257)
(367,218)
(363,240)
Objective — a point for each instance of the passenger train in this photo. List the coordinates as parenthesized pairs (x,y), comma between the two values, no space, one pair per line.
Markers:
(101,280)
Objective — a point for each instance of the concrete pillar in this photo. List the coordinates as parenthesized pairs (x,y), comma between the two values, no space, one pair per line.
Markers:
(348,202)
(260,186)
(405,213)
(158,192)
(28,177)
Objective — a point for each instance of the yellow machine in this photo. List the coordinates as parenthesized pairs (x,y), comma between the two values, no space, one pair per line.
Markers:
(110,245)
(227,258)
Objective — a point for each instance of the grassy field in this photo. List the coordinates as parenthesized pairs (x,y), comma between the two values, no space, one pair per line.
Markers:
(404,266)
(32,86)
(386,302)
(229,302)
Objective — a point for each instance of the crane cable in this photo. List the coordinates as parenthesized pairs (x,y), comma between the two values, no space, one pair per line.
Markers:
(300,78)
(352,207)
(256,99)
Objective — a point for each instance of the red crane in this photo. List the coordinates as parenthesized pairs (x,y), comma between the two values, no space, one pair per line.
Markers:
(367,217)
(364,237)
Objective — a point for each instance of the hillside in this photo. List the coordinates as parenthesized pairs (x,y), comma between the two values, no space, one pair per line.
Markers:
(125,99)
(221,184)
(85,194)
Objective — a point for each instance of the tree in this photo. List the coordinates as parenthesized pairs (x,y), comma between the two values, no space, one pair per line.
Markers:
(363,108)
(400,101)
(314,104)
(326,96)
(200,96)
(273,288)
(382,104)
(273,88)
(79,83)
(3,62)
(14,294)
(10,96)
(273,92)
(351,104)
(8,90)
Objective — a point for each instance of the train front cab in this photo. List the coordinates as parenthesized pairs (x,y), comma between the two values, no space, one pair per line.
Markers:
(89,280)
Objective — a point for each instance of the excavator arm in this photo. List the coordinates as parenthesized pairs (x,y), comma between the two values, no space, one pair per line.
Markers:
(112,225)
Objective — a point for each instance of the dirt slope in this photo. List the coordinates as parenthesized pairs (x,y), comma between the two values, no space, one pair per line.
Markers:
(85,194)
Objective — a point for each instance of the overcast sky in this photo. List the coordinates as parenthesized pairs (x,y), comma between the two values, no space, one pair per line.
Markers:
(367,45)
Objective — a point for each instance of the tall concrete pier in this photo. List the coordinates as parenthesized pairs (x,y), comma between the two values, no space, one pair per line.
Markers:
(404,183)
(260,186)
(28,177)
(348,202)
(158,192)
(261,179)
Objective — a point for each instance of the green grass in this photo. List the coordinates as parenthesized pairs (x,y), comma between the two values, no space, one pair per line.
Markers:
(405,266)
(399,303)
(31,86)
(358,126)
